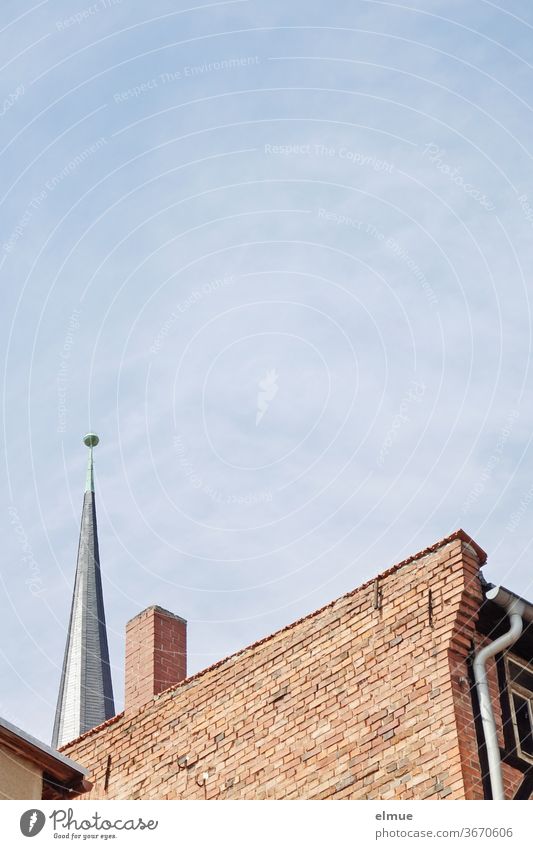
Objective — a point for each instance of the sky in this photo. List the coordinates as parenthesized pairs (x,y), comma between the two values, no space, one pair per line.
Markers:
(278,257)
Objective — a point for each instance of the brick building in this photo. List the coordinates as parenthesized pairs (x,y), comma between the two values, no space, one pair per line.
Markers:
(372,697)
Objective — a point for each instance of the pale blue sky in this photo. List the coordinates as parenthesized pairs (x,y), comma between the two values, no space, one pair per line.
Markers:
(318,212)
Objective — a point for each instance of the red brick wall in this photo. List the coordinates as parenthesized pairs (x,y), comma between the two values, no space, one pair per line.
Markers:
(351,702)
(156,655)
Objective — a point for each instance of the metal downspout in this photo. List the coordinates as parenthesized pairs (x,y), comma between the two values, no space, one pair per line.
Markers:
(515,609)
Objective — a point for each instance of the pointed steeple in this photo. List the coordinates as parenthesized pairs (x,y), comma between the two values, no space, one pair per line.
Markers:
(86,692)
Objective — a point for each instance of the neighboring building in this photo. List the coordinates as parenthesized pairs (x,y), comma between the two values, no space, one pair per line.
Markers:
(371,697)
(31,770)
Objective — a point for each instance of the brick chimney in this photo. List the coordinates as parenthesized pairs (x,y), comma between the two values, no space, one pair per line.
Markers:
(156,654)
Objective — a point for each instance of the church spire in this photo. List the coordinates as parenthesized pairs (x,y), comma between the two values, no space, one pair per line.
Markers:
(86,692)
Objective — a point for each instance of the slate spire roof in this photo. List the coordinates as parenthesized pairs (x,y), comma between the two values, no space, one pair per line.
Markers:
(86,692)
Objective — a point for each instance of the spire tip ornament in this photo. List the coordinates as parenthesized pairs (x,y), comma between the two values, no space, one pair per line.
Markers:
(91,440)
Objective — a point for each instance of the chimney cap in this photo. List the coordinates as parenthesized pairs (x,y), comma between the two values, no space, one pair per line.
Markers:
(157,609)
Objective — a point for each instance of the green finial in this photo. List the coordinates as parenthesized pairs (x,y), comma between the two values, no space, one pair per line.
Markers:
(91,440)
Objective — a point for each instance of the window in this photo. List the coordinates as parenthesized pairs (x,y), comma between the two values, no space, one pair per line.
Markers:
(520,688)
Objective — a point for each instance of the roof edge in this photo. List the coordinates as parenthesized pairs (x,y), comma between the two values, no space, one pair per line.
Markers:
(40,752)
(459,534)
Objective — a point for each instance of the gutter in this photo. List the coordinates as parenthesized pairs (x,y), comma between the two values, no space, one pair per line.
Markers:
(518,610)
